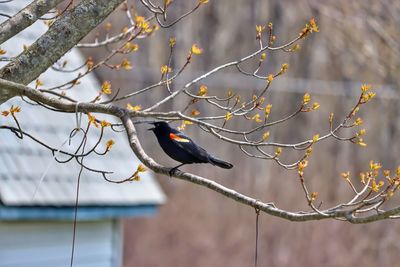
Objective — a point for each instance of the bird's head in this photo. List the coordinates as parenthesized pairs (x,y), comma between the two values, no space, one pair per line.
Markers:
(159,126)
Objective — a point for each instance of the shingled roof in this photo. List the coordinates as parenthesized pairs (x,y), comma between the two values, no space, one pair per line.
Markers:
(23,162)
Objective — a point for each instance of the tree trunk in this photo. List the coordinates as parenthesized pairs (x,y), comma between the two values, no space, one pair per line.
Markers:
(64,34)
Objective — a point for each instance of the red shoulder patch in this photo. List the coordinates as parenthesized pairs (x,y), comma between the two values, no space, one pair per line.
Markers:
(178,138)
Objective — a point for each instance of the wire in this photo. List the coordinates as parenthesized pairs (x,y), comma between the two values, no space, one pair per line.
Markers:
(256,249)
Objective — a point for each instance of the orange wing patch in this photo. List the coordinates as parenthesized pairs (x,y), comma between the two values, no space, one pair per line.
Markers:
(178,139)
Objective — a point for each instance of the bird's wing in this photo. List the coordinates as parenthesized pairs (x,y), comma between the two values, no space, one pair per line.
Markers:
(179,138)
(188,145)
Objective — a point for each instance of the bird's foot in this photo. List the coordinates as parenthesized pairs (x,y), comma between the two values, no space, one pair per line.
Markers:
(172,171)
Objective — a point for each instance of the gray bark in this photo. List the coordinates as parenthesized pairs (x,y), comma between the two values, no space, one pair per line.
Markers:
(64,34)
(126,119)
(25,18)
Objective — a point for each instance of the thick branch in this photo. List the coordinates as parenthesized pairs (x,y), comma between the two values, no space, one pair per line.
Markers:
(125,116)
(25,18)
(232,194)
(35,95)
(154,166)
(64,34)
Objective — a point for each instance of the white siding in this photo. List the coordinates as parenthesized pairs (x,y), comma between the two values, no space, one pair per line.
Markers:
(49,244)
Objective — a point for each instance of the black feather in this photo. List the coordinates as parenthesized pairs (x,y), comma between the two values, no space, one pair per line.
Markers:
(185,150)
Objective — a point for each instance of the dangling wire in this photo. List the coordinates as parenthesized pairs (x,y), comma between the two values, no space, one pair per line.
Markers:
(77,129)
(75,215)
(78,118)
(76,204)
(256,249)
(46,170)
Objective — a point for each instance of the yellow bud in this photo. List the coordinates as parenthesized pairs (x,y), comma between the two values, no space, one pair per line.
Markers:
(202,90)
(313,196)
(228,116)
(376,186)
(15,109)
(313,25)
(172,42)
(265,136)
(374,166)
(284,68)
(126,64)
(295,48)
(263,57)
(38,83)
(141,168)
(309,151)
(302,164)
(361,143)
(362,177)
(306,98)
(267,110)
(196,49)
(358,121)
(92,120)
(365,88)
(371,95)
(165,69)
(346,175)
(386,173)
(136,177)
(331,118)
(106,88)
(355,111)
(105,123)
(256,118)
(131,47)
(133,108)
(315,106)
(361,132)
(109,144)
(195,112)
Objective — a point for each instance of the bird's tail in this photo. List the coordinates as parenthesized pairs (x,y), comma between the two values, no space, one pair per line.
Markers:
(219,163)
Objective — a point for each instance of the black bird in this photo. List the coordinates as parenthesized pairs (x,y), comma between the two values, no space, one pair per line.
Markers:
(181,148)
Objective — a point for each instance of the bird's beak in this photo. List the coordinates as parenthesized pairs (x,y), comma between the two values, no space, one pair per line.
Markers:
(151,129)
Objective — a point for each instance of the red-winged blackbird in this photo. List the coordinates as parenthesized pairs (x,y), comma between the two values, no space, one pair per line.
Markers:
(181,148)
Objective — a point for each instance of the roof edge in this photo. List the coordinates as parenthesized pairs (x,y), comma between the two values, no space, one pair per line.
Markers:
(66,213)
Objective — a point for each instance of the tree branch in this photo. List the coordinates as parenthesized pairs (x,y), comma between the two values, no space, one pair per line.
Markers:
(25,18)
(268,208)
(341,212)
(63,34)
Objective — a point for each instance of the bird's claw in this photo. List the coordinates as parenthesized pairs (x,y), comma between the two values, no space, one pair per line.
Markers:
(172,171)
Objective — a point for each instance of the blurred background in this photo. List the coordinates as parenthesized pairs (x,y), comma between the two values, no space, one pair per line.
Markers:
(358,43)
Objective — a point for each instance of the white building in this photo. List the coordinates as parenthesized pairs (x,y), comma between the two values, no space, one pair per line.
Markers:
(37,230)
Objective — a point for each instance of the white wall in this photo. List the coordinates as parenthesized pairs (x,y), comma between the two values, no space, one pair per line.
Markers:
(44,244)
